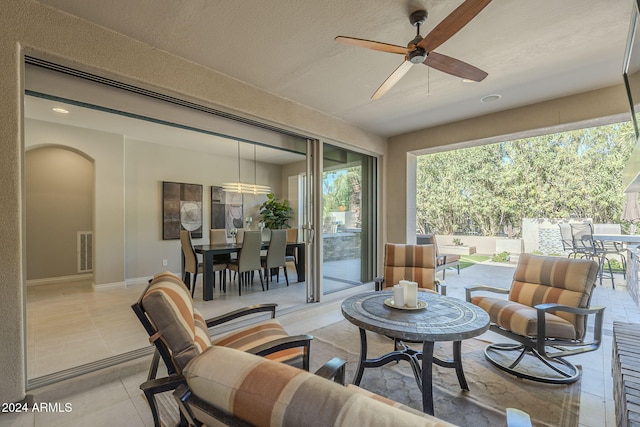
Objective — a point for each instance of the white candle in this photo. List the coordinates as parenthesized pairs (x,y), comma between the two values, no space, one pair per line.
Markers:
(404,284)
(411,295)
(398,295)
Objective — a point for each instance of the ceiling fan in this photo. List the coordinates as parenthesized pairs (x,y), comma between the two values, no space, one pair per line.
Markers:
(421,50)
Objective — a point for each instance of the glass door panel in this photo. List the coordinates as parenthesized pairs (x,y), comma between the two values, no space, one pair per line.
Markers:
(348,218)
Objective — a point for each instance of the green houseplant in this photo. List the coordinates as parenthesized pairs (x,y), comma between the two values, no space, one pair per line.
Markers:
(275,214)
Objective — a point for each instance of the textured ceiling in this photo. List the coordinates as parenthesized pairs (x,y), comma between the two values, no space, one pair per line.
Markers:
(532,50)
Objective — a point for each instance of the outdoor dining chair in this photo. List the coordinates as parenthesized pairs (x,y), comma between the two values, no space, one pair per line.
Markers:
(587,247)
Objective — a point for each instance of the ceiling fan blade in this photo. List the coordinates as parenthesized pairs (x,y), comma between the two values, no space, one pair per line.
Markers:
(370,44)
(392,79)
(455,67)
(452,24)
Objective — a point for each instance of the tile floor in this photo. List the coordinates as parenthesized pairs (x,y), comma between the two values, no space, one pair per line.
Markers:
(112,397)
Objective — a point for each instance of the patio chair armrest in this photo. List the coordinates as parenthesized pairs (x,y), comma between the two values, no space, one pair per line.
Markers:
(160,385)
(334,370)
(285,343)
(575,310)
(542,309)
(241,312)
(378,282)
(474,288)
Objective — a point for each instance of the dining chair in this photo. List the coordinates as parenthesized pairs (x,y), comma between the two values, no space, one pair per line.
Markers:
(275,257)
(219,236)
(191,264)
(291,252)
(566,237)
(240,236)
(587,247)
(248,259)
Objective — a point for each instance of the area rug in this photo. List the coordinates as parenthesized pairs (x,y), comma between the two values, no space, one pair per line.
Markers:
(491,390)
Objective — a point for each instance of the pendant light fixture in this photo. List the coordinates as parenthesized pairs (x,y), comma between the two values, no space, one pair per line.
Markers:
(242,188)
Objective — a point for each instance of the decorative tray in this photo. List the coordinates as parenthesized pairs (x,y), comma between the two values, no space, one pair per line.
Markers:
(420,306)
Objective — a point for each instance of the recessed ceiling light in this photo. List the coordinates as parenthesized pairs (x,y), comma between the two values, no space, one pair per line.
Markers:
(60,110)
(468,81)
(491,98)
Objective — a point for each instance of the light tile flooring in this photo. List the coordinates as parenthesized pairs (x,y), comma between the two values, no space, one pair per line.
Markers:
(72,324)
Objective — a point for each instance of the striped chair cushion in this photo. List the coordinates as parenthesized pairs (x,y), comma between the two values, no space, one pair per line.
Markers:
(265,393)
(539,280)
(251,336)
(416,263)
(169,306)
(522,319)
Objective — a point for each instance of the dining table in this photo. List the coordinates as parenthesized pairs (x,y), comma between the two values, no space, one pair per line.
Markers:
(209,250)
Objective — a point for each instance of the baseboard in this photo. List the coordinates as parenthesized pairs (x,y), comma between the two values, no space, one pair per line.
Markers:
(82,277)
(134,281)
(112,285)
(61,279)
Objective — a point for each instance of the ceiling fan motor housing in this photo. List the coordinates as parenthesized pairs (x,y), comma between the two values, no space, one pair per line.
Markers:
(417,56)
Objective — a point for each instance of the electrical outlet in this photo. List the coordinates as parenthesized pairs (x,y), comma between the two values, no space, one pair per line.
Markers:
(165,262)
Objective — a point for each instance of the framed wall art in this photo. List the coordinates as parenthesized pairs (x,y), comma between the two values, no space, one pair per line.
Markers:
(181,209)
(226,209)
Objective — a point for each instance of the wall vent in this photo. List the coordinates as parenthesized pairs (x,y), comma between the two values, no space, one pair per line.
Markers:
(85,251)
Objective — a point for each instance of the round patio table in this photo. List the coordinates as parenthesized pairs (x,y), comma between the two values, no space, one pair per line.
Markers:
(443,319)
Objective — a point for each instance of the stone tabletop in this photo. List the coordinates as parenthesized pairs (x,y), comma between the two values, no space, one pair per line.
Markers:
(444,318)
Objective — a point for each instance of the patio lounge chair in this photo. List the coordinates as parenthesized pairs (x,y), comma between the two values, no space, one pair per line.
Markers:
(545,314)
(410,262)
(180,333)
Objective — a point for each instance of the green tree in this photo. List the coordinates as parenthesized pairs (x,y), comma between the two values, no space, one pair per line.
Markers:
(486,188)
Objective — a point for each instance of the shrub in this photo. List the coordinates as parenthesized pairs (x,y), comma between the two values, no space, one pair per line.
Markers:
(501,257)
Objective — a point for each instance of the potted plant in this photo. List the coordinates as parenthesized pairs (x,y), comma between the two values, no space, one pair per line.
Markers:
(275,214)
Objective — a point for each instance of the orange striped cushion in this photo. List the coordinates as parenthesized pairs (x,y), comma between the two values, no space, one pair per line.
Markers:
(168,303)
(540,280)
(523,319)
(416,263)
(543,279)
(265,393)
(252,336)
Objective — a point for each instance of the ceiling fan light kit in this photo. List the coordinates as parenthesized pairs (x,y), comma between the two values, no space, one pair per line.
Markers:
(421,50)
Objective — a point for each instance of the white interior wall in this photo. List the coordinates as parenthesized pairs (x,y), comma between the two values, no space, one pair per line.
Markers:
(146,166)
(107,152)
(129,175)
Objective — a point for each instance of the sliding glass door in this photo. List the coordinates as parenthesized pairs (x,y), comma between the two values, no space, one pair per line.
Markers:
(348,220)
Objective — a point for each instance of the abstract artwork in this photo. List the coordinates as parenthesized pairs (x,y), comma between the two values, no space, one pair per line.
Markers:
(226,210)
(181,210)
